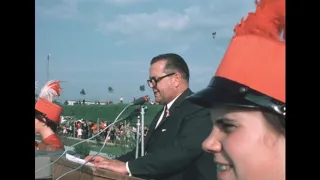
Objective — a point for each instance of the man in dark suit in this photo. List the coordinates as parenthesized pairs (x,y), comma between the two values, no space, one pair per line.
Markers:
(173,144)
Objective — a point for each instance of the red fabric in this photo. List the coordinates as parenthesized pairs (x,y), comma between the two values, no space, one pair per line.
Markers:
(54,140)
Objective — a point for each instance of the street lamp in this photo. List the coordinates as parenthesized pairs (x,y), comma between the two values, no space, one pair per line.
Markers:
(48,58)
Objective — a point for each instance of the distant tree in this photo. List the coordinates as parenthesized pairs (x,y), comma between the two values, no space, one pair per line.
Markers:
(142,88)
(36,90)
(66,102)
(82,92)
(110,89)
(56,102)
(36,95)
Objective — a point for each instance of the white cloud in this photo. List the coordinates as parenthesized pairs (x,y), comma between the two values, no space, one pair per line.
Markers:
(220,16)
(125,2)
(163,24)
(67,9)
(146,24)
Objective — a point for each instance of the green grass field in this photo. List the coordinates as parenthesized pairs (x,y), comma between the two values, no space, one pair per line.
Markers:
(114,150)
(108,149)
(107,113)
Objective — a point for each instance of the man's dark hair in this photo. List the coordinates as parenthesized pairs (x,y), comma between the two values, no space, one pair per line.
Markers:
(174,63)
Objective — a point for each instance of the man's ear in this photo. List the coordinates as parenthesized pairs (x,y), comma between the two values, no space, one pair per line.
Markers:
(176,79)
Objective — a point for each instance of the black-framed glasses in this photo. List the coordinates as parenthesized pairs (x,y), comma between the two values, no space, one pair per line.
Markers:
(153,81)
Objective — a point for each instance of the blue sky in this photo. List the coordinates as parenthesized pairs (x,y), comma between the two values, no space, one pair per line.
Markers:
(95,44)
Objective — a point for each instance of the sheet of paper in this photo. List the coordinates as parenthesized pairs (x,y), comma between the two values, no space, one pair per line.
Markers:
(77,160)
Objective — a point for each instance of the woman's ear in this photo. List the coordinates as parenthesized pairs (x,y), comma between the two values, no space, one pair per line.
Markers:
(43,121)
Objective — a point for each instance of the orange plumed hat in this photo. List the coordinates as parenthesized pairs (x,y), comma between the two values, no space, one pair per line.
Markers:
(45,103)
(252,71)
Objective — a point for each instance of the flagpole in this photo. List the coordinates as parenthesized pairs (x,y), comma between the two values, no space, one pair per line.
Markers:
(48,58)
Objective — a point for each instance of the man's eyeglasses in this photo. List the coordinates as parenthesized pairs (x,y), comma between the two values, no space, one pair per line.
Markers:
(153,81)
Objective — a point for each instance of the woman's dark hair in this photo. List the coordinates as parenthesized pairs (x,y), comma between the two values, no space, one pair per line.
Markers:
(40,116)
(276,121)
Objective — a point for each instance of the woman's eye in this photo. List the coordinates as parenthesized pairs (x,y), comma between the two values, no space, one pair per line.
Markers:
(227,128)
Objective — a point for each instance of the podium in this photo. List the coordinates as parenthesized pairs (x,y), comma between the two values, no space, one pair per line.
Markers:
(63,166)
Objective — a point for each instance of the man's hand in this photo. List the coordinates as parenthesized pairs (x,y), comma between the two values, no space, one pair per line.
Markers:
(110,164)
(95,160)
(114,165)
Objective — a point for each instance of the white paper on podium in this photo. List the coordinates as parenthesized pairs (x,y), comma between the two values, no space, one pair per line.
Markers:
(77,160)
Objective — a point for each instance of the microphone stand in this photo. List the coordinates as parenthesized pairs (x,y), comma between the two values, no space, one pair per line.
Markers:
(137,137)
(142,130)
(140,125)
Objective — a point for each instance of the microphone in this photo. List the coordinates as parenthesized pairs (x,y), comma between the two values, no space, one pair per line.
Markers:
(134,113)
(141,100)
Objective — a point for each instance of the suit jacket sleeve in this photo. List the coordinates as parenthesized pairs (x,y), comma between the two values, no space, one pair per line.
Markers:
(186,149)
(127,157)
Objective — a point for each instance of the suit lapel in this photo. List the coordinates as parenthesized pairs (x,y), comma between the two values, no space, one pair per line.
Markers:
(177,103)
(152,126)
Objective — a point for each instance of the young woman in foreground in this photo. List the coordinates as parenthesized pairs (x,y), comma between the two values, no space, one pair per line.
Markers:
(247,99)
